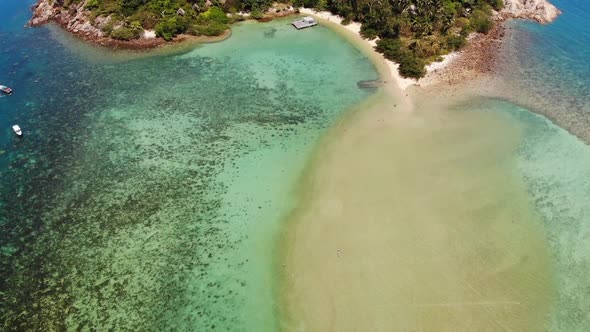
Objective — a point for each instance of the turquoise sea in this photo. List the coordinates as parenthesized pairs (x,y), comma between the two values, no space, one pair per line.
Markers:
(147,192)
(549,66)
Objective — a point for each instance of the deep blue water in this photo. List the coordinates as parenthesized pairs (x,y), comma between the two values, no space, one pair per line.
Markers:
(549,68)
(562,48)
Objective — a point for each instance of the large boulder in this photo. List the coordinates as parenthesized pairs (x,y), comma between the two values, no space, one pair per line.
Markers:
(537,10)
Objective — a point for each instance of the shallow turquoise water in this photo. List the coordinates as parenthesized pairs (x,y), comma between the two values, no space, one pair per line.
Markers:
(146,193)
(548,71)
(555,166)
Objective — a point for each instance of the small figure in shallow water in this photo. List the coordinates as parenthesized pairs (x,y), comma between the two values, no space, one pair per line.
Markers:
(338,252)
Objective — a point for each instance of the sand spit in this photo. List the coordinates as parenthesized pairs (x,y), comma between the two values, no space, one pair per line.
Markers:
(415,221)
(412,218)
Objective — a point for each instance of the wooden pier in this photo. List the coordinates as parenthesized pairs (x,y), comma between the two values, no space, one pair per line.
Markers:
(305,22)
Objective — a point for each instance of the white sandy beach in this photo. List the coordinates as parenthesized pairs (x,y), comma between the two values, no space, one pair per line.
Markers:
(402,82)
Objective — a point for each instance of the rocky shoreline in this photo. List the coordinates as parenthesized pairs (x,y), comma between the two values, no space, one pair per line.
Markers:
(479,58)
(77,20)
(473,58)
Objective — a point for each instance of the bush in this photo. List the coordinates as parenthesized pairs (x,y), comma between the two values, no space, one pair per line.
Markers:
(411,67)
(480,21)
(298,3)
(396,51)
(92,4)
(321,5)
(256,14)
(148,20)
(211,29)
(368,32)
(392,49)
(215,14)
(108,28)
(169,28)
(461,22)
(310,3)
(346,21)
(128,7)
(255,4)
(455,42)
(427,47)
(496,4)
(466,31)
(125,33)
(108,7)
(486,8)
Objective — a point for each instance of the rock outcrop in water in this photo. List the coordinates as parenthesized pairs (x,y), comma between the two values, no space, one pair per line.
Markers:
(536,10)
(73,18)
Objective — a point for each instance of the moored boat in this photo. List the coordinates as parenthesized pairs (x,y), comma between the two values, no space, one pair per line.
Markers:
(5,89)
(17,130)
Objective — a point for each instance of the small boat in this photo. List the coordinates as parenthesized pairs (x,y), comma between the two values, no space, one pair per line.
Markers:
(17,130)
(5,89)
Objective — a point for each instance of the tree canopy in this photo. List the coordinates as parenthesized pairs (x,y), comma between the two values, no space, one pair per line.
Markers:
(201,17)
(414,32)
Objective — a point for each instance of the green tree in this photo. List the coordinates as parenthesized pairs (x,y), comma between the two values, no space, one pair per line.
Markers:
(169,28)
(125,33)
(392,49)
(130,6)
(215,14)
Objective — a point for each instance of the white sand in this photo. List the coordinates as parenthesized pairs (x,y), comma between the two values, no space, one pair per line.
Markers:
(403,83)
(149,34)
(447,59)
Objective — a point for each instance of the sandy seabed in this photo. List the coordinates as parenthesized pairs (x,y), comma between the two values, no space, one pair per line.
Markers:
(413,218)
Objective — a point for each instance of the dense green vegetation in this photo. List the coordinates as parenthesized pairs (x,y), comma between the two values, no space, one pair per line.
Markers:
(414,32)
(168,17)
(411,32)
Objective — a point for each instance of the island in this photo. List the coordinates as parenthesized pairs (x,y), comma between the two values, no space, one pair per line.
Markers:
(411,33)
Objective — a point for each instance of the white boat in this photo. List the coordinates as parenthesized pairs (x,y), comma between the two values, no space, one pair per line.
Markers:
(17,130)
(5,89)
